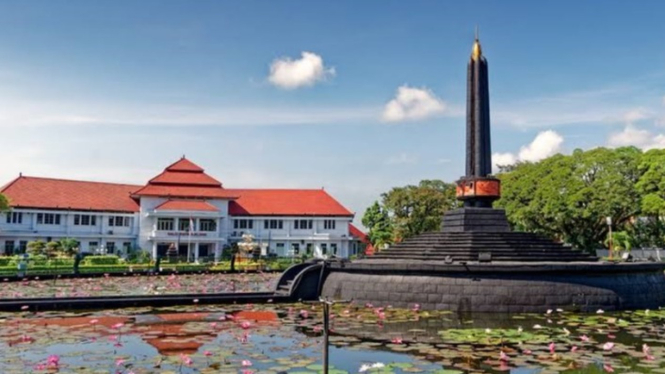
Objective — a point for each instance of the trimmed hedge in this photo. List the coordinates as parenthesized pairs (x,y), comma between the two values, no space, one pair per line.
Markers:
(100,260)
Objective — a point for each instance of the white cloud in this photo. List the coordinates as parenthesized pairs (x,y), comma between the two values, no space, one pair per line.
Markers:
(633,136)
(412,104)
(545,144)
(401,159)
(306,71)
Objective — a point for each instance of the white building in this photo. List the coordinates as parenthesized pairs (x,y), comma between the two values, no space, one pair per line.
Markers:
(182,207)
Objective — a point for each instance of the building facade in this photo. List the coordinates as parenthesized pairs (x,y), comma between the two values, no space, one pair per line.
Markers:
(182,208)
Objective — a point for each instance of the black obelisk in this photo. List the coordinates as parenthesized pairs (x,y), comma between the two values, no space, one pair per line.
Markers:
(477,188)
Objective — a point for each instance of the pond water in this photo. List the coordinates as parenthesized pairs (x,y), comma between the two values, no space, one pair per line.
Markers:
(288,339)
(140,285)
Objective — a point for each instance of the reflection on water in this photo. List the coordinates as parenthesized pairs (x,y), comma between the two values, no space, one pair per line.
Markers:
(287,338)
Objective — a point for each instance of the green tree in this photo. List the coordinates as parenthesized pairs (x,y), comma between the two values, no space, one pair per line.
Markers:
(4,203)
(53,249)
(69,246)
(417,209)
(36,248)
(378,224)
(568,197)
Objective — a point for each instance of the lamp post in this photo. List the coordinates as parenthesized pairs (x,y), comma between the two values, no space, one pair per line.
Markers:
(608,220)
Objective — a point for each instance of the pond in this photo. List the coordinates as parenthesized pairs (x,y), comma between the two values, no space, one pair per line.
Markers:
(140,285)
(287,338)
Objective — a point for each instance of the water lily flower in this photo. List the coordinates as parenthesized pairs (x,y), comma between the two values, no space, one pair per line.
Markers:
(527,351)
(503,356)
(584,338)
(207,353)
(94,321)
(552,347)
(608,368)
(53,360)
(117,325)
(566,331)
(519,329)
(186,359)
(304,313)
(600,311)
(396,340)
(610,336)
(573,348)
(559,310)
(488,331)
(608,346)
(537,326)
(549,311)
(416,307)
(646,350)
(246,363)
(119,362)
(245,325)
(25,307)
(364,368)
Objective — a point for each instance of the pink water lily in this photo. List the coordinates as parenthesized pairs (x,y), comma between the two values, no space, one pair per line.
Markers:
(608,368)
(503,357)
(584,338)
(573,348)
(53,361)
(246,363)
(552,347)
(245,325)
(647,352)
(117,325)
(608,346)
(207,353)
(119,362)
(396,340)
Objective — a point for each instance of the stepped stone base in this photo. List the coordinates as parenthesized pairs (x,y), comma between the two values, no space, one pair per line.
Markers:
(507,287)
(475,219)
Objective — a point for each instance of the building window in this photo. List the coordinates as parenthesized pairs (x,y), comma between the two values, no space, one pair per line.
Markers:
(273,224)
(333,248)
(295,248)
(15,217)
(110,247)
(85,220)
(22,246)
(119,221)
(93,246)
(279,248)
(127,246)
(48,218)
(243,224)
(308,248)
(329,224)
(303,224)
(9,247)
(209,225)
(183,225)
(165,224)
(324,248)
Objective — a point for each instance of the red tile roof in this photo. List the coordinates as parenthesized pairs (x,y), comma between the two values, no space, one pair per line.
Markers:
(354,231)
(48,193)
(184,179)
(176,177)
(192,205)
(184,165)
(271,202)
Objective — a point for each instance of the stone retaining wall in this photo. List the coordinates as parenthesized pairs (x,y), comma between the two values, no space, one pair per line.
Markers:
(501,292)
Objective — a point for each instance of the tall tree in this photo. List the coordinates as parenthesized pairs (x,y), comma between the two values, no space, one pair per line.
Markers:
(417,209)
(569,197)
(4,203)
(377,221)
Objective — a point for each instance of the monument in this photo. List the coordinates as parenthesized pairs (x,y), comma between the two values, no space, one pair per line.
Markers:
(476,263)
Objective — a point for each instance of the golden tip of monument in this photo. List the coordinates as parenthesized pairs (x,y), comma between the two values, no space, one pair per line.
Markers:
(476,52)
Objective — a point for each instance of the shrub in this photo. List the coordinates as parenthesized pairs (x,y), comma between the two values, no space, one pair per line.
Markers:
(101,260)
(9,261)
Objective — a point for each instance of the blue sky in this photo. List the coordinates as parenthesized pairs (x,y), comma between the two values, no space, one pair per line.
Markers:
(117,90)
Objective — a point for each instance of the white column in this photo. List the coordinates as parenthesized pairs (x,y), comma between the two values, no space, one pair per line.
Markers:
(218,252)
(154,251)
(196,252)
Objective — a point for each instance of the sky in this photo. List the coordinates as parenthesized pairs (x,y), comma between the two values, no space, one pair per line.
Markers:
(353,96)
